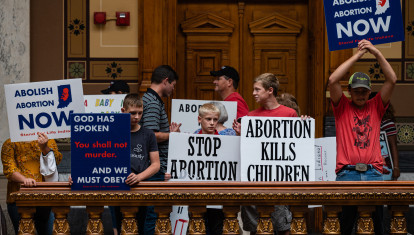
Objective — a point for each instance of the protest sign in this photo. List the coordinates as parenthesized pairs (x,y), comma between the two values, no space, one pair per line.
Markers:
(349,21)
(179,220)
(186,113)
(197,157)
(100,151)
(103,103)
(386,156)
(277,149)
(42,107)
(325,159)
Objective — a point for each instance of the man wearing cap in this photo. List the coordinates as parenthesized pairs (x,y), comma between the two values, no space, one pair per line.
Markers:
(117,87)
(226,83)
(357,124)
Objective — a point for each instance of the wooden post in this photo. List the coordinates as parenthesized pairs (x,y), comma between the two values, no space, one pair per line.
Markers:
(298,225)
(331,224)
(95,226)
(26,225)
(163,225)
(231,223)
(398,222)
(129,223)
(365,225)
(264,224)
(197,225)
(61,224)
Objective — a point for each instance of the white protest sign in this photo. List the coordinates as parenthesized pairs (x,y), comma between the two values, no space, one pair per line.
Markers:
(194,157)
(179,220)
(325,159)
(186,113)
(277,149)
(42,107)
(103,103)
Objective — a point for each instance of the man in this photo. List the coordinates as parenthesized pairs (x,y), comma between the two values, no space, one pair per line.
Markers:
(265,90)
(358,126)
(155,117)
(117,87)
(226,83)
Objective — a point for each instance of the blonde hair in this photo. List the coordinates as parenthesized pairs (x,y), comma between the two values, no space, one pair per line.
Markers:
(208,108)
(268,80)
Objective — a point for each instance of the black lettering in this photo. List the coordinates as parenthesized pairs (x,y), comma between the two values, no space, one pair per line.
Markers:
(217,145)
(191,169)
(280,173)
(298,133)
(288,171)
(249,173)
(307,124)
(259,125)
(181,109)
(29,123)
(174,169)
(276,131)
(232,170)
(292,150)
(250,129)
(264,151)
(200,169)
(305,173)
(207,146)
(199,141)
(191,151)
(267,128)
(223,171)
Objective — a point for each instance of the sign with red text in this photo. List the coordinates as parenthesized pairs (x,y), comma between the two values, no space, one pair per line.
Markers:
(197,157)
(42,107)
(100,151)
(104,103)
(186,113)
(277,149)
(349,21)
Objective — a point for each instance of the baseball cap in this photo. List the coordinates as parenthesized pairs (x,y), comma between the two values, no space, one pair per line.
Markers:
(359,79)
(117,86)
(226,71)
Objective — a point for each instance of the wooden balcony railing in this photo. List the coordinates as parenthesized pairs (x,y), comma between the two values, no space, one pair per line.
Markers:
(332,195)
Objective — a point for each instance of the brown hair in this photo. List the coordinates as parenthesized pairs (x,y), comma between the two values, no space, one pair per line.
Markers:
(208,108)
(132,100)
(268,80)
(289,100)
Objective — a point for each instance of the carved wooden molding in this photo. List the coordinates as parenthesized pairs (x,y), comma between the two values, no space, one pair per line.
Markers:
(207,24)
(275,24)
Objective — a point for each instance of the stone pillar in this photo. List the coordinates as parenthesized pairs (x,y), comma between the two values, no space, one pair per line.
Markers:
(14,52)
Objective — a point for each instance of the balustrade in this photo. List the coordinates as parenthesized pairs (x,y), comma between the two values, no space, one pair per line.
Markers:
(332,195)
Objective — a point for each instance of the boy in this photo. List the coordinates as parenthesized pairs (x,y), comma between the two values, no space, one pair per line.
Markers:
(208,116)
(145,161)
(265,89)
(357,122)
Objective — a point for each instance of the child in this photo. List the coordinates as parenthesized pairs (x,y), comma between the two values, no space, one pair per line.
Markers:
(208,116)
(145,161)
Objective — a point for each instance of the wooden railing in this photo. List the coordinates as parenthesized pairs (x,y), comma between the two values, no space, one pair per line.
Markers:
(332,195)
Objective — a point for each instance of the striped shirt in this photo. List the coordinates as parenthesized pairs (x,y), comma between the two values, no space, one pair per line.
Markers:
(389,127)
(155,118)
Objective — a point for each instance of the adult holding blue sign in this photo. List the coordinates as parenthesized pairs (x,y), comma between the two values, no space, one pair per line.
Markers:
(358,126)
(349,21)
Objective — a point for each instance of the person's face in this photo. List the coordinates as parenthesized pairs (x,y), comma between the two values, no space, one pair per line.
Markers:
(359,96)
(136,114)
(221,83)
(260,94)
(208,123)
(168,87)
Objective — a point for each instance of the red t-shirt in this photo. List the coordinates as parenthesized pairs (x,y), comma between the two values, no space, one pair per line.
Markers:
(281,111)
(201,132)
(242,108)
(357,132)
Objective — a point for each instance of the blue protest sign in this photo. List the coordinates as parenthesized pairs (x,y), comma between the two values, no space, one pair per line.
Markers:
(349,21)
(100,151)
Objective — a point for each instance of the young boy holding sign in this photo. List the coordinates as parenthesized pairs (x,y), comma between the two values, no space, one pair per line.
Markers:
(145,161)
(265,90)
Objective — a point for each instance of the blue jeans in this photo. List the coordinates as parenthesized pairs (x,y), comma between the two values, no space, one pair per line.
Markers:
(350,213)
(146,216)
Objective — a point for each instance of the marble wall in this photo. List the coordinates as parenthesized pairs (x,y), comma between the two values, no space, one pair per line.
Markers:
(14,52)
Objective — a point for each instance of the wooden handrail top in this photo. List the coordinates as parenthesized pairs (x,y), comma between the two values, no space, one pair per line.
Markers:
(226,193)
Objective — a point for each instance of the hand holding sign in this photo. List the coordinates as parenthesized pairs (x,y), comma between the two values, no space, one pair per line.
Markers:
(42,140)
